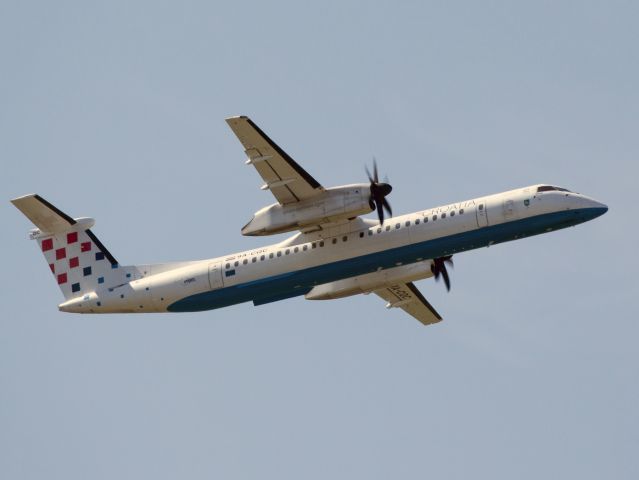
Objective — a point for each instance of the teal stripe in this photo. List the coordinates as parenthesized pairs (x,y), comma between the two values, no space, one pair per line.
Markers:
(300,282)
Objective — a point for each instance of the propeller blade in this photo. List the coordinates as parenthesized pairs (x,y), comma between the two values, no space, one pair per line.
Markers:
(375,176)
(379,191)
(438,267)
(387,206)
(380,213)
(370,179)
(446,277)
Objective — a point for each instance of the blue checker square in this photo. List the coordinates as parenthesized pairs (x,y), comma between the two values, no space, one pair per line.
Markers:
(99,256)
(75,287)
(114,265)
(100,279)
(86,271)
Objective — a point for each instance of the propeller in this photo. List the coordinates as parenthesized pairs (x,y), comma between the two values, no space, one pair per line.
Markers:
(438,267)
(379,191)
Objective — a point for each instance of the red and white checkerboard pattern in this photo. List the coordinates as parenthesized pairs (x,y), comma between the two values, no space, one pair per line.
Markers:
(76,262)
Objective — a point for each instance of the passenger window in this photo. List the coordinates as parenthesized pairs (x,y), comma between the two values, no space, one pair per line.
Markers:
(334,241)
(361,234)
(481,207)
(379,230)
(270,255)
(296,249)
(262,258)
(287,251)
(245,261)
(461,211)
(387,228)
(434,217)
(305,247)
(237,263)
(344,238)
(443,215)
(452,214)
(407,223)
(228,265)
(321,243)
(397,225)
(279,253)
(254,259)
(417,221)
(370,232)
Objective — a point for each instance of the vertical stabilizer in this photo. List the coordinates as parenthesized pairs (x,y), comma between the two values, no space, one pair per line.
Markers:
(79,262)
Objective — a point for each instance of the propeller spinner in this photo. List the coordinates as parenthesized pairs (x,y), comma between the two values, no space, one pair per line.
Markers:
(379,191)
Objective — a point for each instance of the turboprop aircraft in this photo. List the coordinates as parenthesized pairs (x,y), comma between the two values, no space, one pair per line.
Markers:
(333,254)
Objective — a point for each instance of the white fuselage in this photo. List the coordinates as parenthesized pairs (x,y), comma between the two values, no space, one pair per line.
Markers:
(346,259)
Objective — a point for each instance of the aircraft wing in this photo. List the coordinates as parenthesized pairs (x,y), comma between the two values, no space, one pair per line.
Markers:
(408,298)
(288,182)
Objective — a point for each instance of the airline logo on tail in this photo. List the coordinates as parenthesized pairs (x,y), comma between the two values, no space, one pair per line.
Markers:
(78,260)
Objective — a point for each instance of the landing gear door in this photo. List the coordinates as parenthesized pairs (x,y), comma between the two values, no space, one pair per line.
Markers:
(482,214)
(215,275)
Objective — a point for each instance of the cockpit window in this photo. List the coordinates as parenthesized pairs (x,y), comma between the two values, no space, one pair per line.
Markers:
(550,188)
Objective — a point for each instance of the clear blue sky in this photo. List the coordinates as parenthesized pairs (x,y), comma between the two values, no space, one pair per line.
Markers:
(115,110)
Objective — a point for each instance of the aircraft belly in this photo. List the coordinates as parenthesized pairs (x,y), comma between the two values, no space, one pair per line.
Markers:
(300,281)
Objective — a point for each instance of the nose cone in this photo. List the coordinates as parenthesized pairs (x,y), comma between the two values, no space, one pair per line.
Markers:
(595,209)
(600,210)
(603,208)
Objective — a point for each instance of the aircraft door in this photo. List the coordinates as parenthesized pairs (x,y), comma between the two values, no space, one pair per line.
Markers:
(215,275)
(482,214)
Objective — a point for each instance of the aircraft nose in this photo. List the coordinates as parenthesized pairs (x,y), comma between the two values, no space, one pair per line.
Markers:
(601,208)
(596,208)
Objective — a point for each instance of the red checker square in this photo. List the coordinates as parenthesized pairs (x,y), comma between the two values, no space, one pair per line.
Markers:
(60,253)
(62,278)
(47,244)
(74,262)
(52,267)
(72,237)
(85,246)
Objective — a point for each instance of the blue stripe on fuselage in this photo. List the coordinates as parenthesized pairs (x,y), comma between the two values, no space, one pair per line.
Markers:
(300,282)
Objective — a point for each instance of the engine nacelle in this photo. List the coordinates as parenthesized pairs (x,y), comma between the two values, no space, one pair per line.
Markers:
(371,281)
(333,204)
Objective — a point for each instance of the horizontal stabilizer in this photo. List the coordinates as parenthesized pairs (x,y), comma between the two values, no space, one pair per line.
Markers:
(48,218)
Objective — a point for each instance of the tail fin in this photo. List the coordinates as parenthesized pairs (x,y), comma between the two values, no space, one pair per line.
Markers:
(79,262)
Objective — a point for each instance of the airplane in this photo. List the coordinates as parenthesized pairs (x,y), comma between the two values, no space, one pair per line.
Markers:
(333,254)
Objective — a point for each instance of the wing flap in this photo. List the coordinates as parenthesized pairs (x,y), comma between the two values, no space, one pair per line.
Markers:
(282,175)
(407,297)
